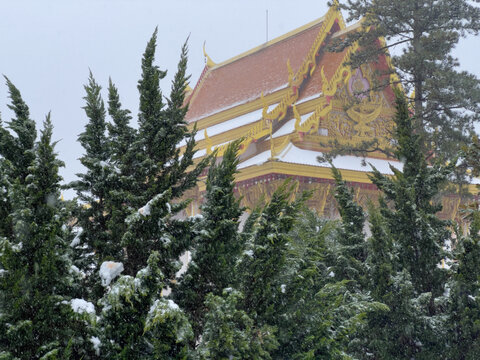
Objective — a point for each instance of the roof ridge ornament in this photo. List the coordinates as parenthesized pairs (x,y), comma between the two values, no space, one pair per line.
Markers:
(210,63)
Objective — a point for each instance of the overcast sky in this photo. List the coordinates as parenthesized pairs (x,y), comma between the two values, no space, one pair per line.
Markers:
(47,48)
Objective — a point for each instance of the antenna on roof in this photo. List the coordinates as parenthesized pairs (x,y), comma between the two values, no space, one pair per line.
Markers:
(266,25)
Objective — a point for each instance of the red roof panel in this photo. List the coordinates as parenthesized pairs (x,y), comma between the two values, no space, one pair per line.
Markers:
(243,80)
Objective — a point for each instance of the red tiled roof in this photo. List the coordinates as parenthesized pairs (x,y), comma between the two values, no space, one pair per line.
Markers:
(243,80)
(330,62)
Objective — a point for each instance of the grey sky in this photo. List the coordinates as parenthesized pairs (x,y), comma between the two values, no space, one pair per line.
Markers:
(47,48)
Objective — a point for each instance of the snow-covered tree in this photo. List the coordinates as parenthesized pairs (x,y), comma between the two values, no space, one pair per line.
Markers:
(265,255)
(16,153)
(409,226)
(96,243)
(159,166)
(231,334)
(464,310)
(36,318)
(217,245)
(351,248)
(136,322)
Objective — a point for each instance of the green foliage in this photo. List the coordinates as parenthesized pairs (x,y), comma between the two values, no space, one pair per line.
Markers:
(266,251)
(158,167)
(407,246)
(231,334)
(36,321)
(137,323)
(217,244)
(93,186)
(414,227)
(464,312)
(16,153)
(351,248)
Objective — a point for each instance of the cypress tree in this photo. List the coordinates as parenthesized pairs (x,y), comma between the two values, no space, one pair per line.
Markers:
(160,169)
(16,153)
(136,322)
(217,245)
(265,255)
(464,309)
(351,250)
(36,319)
(121,137)
(419,233)
(231,334)
(415,290)
(96,243)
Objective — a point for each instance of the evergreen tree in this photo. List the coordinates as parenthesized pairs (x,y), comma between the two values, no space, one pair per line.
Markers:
(351,249)
(415,289)
(419,233)
(231,334)
(36,319)
(464,311)
(160,169)
(445,99)
(121,137)
(265,255)
(217,245)
(138,323)
(16,153)
(93,189)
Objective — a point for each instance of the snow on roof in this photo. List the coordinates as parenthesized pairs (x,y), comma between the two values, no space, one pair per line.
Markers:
(109,270)
(289,126)
(224,126)
(295,155)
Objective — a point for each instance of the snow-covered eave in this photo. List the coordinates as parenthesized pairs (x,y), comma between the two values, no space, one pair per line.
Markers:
(294,155)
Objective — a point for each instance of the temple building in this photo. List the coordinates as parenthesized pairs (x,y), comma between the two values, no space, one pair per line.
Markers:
(288,99)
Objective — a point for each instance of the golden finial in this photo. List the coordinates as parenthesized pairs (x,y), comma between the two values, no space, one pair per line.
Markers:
(208,142)
(298,118)
(209,61)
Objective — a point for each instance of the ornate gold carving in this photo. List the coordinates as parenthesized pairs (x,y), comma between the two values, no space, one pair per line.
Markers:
(363,114)
(311,125)
(208,142)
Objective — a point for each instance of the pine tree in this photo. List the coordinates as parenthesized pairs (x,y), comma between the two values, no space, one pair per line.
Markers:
(217,245)
(138,323)
(36,319)
(445,99)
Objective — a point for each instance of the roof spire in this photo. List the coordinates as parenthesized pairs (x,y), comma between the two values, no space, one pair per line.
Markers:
(208,60)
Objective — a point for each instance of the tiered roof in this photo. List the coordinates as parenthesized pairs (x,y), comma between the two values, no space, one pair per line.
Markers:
(288,99)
